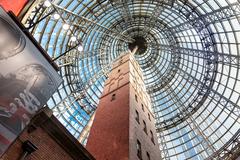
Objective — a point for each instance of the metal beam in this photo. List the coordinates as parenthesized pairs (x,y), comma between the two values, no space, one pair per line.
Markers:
(222,58)
(71,18)
(227,12)
(206,143)
(154,17)
(197,103)
(124,9)
(229,150)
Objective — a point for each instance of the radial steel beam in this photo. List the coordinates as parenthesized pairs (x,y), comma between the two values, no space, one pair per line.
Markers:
(68,103)
(175,62)
(230,150)
(227,12)
(70,57)
(106,6)
(206,143)
(84,86)
(173,43)
(170,73)
(80,93)
(124,9)
(71,18)
(222,58)
(36,15)
(208,43)
(150,23)
(196,103)
(76,54)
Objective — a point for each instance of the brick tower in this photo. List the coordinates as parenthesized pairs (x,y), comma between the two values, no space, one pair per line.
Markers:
(123,128)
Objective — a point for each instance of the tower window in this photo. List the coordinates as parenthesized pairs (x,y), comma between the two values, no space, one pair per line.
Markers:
(148,156)
(139,149)
(113,97)
(136,98)
(143,107)
(144,127)
(152,138)
(149,117)
(137,117)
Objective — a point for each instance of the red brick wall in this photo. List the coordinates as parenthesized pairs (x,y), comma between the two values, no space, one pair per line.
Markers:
(137,133)
(109,134)
(48,149)
(114,132)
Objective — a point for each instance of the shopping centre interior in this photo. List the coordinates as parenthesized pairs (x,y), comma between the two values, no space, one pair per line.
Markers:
(188,54)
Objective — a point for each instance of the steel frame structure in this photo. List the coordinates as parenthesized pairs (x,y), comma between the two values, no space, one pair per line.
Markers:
(191,66)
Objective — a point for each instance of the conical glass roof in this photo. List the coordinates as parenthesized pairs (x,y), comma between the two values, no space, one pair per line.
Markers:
(189,53)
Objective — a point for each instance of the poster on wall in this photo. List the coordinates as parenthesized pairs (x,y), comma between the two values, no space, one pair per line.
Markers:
(27,80)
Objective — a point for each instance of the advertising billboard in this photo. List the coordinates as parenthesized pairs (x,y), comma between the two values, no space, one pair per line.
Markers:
(27,80)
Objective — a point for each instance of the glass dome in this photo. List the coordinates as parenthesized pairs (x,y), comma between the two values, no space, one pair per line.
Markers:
(188,51)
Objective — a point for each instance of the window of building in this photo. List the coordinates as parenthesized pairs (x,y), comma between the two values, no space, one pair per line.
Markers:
(149,117)
(136,98)
(143,107)
(148,156)
(113,97)
(152,138)
(137,117)
(144,127)
(139,149)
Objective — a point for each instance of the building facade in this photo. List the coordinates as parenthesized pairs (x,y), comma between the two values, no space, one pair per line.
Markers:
(123,127)
(46,138)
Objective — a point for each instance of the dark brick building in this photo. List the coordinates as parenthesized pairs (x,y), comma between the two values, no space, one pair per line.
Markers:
(47,139)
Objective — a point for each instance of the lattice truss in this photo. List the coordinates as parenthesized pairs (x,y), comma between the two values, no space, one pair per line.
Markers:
(191,66)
